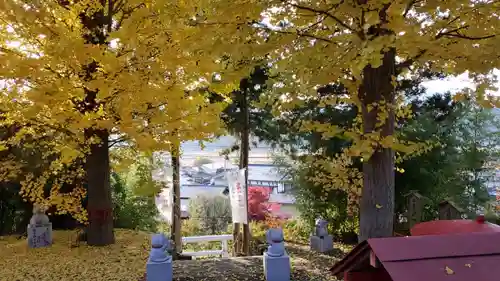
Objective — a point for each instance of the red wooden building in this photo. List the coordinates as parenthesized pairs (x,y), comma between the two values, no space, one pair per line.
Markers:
(470,252)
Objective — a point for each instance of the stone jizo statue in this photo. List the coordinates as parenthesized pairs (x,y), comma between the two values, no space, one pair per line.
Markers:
(39,217)
(39,229)
(159,246)
(321,228)
(276,241)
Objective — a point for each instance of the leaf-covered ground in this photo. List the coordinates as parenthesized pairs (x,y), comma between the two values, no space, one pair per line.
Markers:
(126,259)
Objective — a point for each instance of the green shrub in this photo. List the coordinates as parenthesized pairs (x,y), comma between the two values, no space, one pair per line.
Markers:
(212,213)
(297,231)
(132,211)
(134,190)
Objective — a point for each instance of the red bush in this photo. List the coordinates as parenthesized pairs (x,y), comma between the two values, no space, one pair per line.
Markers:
(259,207)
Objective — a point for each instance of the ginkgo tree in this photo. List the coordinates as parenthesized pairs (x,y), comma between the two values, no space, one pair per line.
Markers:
(76,73)
(367,46)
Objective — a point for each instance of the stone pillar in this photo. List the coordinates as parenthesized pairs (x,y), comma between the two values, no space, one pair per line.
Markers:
(159,265)
(321,241)
(276,260)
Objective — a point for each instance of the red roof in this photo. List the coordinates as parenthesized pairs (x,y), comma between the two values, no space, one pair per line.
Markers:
(453,226)
(454,257)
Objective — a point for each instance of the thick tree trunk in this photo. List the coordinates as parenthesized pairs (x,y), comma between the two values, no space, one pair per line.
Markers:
(176,209)
(99,206)
(377,199)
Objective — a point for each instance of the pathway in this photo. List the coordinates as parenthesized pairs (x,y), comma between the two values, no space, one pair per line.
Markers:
(306,266)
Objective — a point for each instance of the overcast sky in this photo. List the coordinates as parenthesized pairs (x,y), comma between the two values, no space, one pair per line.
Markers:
(452,84)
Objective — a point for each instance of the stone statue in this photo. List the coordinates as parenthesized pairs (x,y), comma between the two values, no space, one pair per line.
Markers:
(321,230)
(320,240)
(39,229)
(276,241)
(39,217)
(159,265)
(159,247)
(276,260)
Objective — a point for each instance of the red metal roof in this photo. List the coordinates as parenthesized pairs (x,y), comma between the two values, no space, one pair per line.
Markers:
(480,268)
(453,226)
(435,246)
(453,257)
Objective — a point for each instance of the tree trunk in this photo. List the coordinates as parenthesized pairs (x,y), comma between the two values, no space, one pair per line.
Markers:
(245,147)
(236,240)
(377,199)
(99,203)
(99,206)
(176,209)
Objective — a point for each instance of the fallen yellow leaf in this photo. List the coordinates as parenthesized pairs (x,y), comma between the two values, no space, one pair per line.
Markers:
(449,271)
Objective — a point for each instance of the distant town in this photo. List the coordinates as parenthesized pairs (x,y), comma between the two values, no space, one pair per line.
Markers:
(203,172)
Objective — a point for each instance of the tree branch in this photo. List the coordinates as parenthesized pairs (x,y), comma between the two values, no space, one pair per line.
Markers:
(451,33)
(327,14)
(118,140)
(297,32)
(461,36)
(407,63)
(409,7)
(126,13)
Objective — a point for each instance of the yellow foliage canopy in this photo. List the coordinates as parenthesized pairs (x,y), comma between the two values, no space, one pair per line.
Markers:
(155,50)
(145,75)
(327,42)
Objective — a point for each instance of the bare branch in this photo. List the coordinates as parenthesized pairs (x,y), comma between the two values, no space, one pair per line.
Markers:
(407,63)
(451,33)
(302,34)
(118,6)
(116,141)
(126,13)
(458,35)
(297,32)
(327,14)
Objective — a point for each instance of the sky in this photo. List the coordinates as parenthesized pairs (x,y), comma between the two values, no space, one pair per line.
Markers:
(453,84)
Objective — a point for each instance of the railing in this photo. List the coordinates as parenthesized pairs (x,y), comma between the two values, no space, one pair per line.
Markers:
(224,252)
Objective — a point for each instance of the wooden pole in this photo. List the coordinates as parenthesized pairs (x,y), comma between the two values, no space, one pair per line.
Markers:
(176,209)
(245,148)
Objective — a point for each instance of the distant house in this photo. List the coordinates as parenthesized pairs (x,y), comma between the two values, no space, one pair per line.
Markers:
(268,176)
(202,175)
(265,175)
(208,179)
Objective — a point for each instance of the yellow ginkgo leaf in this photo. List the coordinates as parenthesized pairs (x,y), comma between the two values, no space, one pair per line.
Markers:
(449,271)
(378,206)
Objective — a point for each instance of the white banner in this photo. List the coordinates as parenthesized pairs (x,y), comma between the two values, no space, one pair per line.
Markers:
(237,194)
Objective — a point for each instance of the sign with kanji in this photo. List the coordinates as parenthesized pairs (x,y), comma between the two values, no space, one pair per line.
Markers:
(39,235)
(238,195)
